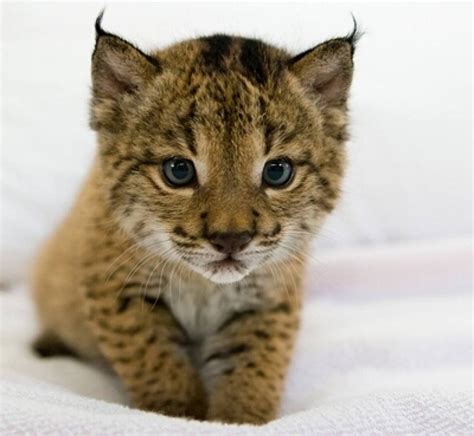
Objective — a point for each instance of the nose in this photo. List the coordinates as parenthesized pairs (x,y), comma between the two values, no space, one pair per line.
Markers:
(230,242)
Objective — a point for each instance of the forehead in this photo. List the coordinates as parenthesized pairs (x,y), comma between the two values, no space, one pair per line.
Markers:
(258,62)
(225,94)
(228,113)
(228,127)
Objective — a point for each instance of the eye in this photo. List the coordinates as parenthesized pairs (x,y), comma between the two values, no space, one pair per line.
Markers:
(179,172)
(277,173)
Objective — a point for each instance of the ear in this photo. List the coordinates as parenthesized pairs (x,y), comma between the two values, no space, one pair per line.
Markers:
(118,67)
(325,71)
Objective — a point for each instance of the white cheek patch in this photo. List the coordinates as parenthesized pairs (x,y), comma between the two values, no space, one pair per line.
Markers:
(157,241)
(201,171)
(257,171)
(292,244)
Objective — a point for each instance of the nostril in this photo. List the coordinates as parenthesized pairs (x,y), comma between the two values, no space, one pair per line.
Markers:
(219,247)
(230,242)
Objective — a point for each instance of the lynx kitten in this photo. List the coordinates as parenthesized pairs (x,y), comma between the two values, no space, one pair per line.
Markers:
(180,265)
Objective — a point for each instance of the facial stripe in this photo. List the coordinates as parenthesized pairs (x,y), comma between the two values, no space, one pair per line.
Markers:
(269,132)
(216,51)
(176,140)
(132,169)
(304,162)
(187,128)
(277,136)
(252,60)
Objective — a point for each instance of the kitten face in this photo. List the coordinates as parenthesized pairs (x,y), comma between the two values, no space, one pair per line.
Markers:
(220,152)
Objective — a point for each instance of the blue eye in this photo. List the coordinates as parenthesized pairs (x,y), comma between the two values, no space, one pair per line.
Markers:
(179,172)
(277,173)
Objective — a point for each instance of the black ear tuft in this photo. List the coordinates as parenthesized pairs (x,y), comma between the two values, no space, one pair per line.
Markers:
(100,32)
(119,69)
(325,71)
(355,35)
(98,24)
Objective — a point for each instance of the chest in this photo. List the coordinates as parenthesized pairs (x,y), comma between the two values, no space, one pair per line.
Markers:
(201,308)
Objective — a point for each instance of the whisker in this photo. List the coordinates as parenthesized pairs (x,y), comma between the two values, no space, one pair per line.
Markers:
(108,272)
(319,233)
(284,281)
(272,265)
(136,246)
(145,292)
(162,269)
(132,273)
(290,250)
(169,284)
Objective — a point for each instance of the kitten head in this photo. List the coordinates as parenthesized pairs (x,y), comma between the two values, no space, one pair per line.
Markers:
(222,152)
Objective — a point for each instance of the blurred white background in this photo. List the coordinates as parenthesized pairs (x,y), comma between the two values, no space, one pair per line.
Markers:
(411,150)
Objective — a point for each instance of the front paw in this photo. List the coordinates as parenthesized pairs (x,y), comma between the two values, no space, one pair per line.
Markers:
(176,407)
(184,400)
(236,410)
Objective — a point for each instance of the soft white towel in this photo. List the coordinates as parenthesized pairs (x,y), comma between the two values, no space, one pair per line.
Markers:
(385,348)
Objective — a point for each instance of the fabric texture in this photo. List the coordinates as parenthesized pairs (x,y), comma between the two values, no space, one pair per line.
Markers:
(385,348)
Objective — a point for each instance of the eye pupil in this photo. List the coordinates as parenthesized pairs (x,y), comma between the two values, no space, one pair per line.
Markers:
(179,172)
(277,173)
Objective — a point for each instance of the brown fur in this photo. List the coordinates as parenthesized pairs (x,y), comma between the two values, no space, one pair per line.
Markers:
(122,279)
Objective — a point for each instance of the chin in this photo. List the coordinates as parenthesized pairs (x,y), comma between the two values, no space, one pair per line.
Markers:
(223,277)
(222,274)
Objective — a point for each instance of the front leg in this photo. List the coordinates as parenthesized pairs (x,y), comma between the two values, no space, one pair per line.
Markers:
(142,342)
(247,365)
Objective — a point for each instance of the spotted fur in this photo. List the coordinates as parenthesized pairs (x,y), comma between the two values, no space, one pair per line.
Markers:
(130,278)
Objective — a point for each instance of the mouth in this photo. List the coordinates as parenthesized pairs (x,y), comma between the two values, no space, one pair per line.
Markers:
(228,269)
(227,263)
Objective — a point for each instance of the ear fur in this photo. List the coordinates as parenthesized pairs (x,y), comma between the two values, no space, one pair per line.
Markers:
(325,71)
(118,69)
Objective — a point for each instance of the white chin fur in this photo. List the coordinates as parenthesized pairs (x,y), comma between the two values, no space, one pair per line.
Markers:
(222,276)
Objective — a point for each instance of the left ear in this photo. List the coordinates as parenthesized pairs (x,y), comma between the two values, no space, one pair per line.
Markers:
(118,67)
(119,70)
(325,71)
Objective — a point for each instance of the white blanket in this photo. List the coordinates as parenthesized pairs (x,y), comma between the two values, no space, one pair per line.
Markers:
(385,348)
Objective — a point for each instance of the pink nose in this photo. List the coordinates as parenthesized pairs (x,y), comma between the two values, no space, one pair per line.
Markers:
(230,242)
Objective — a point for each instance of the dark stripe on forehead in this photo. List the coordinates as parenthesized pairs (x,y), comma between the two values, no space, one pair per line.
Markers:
(277,135)
(269,132)
(187,122)
(129,171)
(252,59)
(216,50)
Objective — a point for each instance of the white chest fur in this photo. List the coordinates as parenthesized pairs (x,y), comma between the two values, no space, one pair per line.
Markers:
(202,307)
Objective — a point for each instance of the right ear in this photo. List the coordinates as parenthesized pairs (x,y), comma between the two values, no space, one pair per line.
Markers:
(325,71)
(118,69)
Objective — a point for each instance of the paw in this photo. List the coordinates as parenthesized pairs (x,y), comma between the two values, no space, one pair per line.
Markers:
(49,345)
(234,413)
(175,400)
(175,407)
